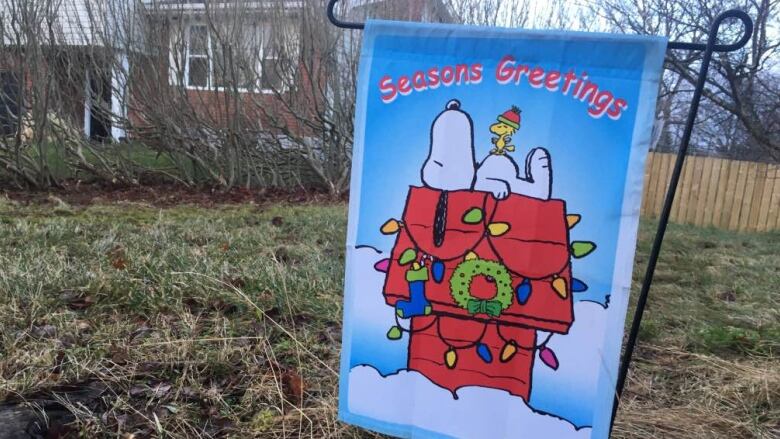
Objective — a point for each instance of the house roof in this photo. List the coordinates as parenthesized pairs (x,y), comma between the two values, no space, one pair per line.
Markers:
(429,10)
(416,10)
(197,6)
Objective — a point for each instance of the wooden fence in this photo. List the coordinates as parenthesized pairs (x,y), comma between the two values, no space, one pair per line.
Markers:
(727,194)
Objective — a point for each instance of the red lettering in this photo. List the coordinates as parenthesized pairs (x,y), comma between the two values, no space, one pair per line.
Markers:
(519,71)
(388,90)
(535,77)
(568,80)
(579,83)
(476,74)
(600,104)
(615,111)
(461,73)
(447,76)
(433,77)
(404,87)
(418,81)
(505,69)
(552,80)
(589,88)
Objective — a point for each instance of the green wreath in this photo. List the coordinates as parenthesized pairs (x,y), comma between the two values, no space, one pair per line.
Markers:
(460,284)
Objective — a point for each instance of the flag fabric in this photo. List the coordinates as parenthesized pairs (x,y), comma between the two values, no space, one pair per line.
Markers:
(494,205)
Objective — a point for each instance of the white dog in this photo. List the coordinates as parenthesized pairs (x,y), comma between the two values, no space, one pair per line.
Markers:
(500,175)
(450,164)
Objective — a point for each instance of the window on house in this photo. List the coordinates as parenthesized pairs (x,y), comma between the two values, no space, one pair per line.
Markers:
(228,56)
(197,71)
(271,78)
(236,54)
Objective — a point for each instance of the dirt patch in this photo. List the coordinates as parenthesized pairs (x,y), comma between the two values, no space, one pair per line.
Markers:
(161,195)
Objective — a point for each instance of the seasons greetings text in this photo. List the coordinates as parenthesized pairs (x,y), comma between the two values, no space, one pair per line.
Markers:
(509,71)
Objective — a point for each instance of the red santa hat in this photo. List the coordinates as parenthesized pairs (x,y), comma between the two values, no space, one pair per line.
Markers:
(511,117)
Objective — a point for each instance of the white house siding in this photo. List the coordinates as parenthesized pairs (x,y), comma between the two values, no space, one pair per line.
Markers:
(77,22)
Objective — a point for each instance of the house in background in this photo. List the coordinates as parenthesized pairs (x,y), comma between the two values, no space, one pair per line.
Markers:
(224,58)
(250,50)
(82,45)
(227,59)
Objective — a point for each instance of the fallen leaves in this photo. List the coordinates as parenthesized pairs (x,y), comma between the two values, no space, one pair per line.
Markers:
(44,331)
(160,390)
(293,386)
(118,258)
(119,355)
(728,296)
(77,301)
(237,282)
(58,430)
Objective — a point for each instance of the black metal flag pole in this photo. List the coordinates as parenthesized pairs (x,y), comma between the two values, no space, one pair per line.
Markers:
(710,47)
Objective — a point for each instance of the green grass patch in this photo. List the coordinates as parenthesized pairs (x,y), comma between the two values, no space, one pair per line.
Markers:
(714,291)
(208,322)
(135,156)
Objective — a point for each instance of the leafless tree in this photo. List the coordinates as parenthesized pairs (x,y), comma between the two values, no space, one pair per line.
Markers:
(235,93)
(743,93)
(262,94)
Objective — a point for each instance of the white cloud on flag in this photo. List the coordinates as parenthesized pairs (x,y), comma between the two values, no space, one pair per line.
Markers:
(408,398)
(569,392)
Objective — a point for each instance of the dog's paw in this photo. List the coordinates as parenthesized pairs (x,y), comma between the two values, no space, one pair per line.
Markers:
(501,194)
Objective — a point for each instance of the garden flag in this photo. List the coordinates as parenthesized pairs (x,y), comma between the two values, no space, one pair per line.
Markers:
(496,185)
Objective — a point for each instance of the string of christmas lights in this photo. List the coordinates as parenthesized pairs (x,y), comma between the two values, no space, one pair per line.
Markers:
(508,351)
(417,276)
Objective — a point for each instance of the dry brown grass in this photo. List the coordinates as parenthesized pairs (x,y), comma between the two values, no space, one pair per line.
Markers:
(189,322)
(678,394)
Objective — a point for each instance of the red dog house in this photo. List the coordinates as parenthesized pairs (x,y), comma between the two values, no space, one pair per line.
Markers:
(478,277)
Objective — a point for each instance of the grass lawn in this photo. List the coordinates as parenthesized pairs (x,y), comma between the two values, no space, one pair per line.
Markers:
(200,322)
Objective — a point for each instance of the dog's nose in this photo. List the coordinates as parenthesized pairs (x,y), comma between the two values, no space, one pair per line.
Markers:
(453,105)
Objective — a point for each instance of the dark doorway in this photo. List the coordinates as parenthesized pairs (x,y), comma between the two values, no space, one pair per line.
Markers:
(100,106)
(9,103)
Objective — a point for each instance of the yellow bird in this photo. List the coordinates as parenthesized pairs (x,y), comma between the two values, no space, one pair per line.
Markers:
(508,124)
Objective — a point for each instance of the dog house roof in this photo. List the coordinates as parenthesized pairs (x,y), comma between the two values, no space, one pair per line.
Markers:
(528,236)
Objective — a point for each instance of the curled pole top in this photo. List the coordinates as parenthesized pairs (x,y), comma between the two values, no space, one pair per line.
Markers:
(338,23)
(747,24)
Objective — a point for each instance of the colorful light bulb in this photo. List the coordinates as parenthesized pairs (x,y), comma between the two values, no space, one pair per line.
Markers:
(473,216)
(572,220)
(559,285)
(548,357)
(484,353)
(523,291)
(498,229)
(509,351)
(580,249)
(394,333)
(451,358)
(437,270)
(407,256)
(390,226)
(578,286)
(382,266)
